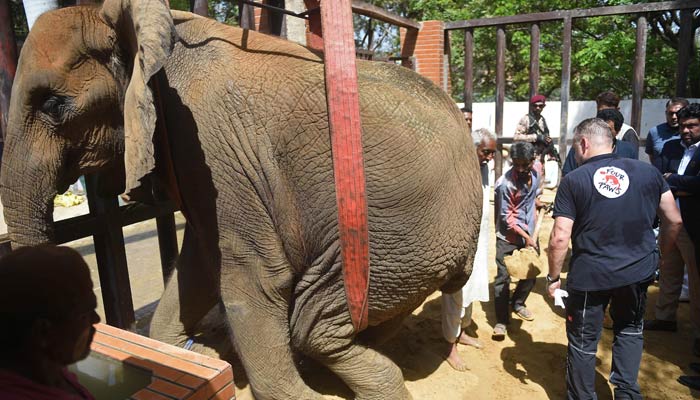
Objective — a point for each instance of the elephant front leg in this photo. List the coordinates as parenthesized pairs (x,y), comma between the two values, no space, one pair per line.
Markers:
(256,309)
(322,329)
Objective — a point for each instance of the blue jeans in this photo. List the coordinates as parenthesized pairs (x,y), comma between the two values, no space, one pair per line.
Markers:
(584,323)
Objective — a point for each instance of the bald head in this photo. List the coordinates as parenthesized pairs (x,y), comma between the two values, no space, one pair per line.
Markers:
(592,137)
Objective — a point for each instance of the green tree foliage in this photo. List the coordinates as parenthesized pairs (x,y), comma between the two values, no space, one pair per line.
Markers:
(603,48)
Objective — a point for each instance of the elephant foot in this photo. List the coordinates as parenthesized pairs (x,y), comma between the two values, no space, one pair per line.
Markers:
(371,375)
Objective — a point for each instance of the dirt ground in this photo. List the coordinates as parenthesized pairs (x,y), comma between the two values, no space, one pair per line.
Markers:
(529,363)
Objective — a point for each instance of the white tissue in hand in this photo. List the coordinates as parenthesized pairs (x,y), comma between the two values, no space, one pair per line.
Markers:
(559,295)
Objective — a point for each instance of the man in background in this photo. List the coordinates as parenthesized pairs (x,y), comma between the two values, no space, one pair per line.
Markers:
(610,100)
(515,208)
(457,307)
(615,121)
(662,133)
(467,112)
(679,162)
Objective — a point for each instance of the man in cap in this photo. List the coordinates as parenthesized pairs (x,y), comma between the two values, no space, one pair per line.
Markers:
(533,127)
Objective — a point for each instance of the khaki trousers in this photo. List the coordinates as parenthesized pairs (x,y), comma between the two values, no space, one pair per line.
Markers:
(671,282)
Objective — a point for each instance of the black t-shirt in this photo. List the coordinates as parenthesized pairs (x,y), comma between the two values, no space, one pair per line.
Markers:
(613,203)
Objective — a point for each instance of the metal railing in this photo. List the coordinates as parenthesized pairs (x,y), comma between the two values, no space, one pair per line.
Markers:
(567,16)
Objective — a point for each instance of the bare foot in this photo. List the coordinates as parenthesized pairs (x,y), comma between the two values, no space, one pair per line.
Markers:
(469,341)
(455,360)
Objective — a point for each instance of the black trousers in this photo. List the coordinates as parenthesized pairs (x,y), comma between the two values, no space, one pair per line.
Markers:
(501,285)
(584,323)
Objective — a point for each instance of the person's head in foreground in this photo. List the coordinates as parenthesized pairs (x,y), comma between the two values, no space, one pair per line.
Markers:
(485,143)
(47,313)
(689,124)
(522,155)
(592,137)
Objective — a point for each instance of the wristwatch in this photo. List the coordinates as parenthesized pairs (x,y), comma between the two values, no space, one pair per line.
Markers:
(550,280)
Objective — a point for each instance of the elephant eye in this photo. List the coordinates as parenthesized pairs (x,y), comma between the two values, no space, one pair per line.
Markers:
(54,106)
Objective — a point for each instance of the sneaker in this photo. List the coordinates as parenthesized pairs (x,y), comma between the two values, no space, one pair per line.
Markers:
(524,313)
(660,325)
(499,332)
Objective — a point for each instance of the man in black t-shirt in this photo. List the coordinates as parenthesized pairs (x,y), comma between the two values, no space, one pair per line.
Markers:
(607,208)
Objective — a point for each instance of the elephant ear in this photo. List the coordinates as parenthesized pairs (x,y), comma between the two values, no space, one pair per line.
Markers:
(145,29)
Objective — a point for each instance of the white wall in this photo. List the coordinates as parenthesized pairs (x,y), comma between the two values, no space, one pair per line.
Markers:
(484,114)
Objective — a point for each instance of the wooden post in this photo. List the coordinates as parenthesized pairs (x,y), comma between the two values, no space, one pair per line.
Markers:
(468,67)
(534,58)
(8,64)
(167,244)
(638,74)
(200,7)
(246,16)
(111,257)
(685,44)
(500,92)
(565,81)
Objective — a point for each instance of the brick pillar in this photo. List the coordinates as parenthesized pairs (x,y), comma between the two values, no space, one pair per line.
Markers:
(258,18)
(429,54)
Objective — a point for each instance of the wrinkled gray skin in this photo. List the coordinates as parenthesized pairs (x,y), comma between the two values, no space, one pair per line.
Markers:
(248,133)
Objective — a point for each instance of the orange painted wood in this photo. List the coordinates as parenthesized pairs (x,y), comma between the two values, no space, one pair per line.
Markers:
(348,161)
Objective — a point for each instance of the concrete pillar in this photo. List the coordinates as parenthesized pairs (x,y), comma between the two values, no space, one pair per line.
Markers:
(296,27)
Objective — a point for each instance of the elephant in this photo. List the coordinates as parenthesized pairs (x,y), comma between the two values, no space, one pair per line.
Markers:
(247,156)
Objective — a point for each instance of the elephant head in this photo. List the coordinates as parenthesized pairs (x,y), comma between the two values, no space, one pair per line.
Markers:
(81,102)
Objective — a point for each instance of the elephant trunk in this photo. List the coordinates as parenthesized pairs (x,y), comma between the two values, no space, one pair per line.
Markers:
(27,190)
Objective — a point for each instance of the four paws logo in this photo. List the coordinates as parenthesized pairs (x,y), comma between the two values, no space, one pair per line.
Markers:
(611,182)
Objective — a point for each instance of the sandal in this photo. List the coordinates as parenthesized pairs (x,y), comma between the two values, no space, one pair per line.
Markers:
(525,314)
(499,332)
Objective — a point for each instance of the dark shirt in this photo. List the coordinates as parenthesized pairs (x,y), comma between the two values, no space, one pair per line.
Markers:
(613,203)
(688,184)
(622,149)
(658,136)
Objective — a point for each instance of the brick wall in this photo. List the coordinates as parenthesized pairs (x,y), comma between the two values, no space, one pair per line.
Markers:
(427,48)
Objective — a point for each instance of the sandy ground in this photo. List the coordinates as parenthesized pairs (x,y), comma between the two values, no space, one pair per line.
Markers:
(529,363)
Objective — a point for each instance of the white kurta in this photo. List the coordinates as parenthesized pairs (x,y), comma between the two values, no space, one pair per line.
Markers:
(456,307)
